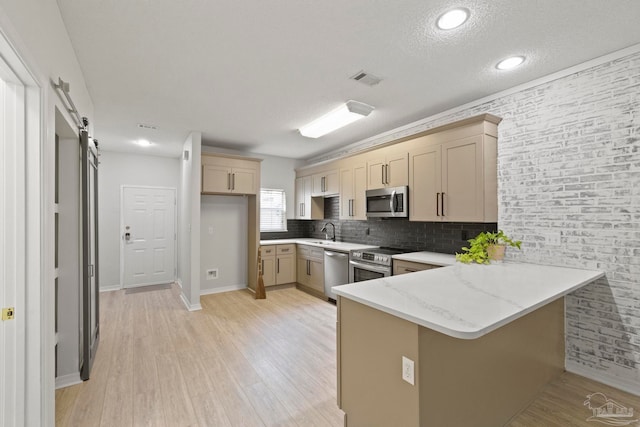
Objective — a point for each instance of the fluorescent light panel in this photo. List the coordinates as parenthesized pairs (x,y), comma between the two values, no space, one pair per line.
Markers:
(345,114)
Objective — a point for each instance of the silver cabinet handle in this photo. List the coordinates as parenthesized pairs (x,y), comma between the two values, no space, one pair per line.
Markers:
(233,181)
(383,173)
(442,204)
(278,266)
(437,204)
(228,181)
(386,174)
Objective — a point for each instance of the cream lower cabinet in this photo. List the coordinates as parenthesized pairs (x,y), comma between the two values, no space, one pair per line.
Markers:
(454,181)
(310,268)
(278,264)
(353,186)
(405,267)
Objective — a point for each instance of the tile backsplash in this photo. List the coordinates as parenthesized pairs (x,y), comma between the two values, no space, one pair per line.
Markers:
(443,237)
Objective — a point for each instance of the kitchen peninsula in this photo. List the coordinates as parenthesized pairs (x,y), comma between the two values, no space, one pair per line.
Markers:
(484,339)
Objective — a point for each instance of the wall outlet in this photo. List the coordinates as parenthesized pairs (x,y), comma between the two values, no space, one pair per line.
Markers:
(212,274)
(367,231)
(553,238)
(407,370)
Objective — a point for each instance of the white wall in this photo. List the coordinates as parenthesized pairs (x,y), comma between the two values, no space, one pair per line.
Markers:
(189,222)
(36,30)
(114,171)
(223,242)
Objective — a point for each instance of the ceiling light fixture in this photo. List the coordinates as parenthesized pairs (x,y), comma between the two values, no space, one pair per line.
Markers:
(345,114)
(143,142)
(509,63)
(453,19)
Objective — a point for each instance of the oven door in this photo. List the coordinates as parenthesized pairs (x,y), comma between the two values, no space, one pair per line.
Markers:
(360,271)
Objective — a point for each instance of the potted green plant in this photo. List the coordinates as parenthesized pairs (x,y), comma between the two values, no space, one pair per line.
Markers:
(487,246)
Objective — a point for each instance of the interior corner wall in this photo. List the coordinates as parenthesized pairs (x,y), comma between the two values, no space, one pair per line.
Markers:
(189,221)
(223,243)
(115,170)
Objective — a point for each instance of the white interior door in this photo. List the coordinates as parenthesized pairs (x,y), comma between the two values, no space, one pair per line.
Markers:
(148,236)
(12,247)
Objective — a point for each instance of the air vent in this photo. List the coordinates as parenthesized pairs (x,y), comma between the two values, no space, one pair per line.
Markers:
(144,126)
(366,78)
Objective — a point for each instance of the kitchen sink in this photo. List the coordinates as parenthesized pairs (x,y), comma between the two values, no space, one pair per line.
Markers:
(323,242)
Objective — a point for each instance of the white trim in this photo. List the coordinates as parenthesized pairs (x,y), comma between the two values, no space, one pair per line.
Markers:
(222,289)
(404,131)
(179,282)
(110,288)
(629,385)
(190,307)
(68,380)
(175,230)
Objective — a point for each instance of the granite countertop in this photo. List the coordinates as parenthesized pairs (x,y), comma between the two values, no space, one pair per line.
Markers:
(425,257)
(468,301)
(320,243)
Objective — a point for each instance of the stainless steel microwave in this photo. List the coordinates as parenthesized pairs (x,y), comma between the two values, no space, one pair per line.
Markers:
(388,202)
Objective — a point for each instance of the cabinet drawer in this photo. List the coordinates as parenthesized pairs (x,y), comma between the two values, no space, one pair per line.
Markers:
(404,267)
(317,253)
(268,251)
(286,249)
(303,250)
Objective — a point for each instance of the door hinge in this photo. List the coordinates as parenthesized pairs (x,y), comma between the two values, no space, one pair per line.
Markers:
(8,313)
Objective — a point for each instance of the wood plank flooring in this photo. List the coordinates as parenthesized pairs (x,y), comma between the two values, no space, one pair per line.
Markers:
(241,362)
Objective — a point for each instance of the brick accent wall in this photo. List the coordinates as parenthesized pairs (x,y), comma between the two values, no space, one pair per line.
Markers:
(569,188)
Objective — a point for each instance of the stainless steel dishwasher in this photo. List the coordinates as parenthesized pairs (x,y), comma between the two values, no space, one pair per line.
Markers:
(336,271)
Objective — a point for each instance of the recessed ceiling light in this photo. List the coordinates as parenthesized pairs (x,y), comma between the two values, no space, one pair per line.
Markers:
(509,63)
(143,142)
(452,19)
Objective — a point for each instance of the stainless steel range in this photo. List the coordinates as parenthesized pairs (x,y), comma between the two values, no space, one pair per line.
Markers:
(370,264)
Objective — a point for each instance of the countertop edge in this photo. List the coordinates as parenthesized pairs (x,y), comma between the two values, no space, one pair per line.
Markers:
(472,334)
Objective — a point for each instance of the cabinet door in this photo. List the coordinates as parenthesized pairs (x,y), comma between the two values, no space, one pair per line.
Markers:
(244,181)
(317,185)
(425,184)
(216,179)
(331,183)
(358,208)
(375,173)
(303,197)
(346,193)
(285,269)
(462,180)
(302,270)
(317,275)
(397,170)
(269,271)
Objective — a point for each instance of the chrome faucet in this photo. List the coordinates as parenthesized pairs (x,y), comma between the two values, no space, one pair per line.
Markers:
(326,235)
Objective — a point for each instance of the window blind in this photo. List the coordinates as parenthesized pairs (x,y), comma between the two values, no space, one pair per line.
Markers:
(273,210)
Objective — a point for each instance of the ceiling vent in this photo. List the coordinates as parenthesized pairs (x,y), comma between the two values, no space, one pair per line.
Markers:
(366,78)
(149,127)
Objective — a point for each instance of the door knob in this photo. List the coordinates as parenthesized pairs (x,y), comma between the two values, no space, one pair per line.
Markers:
(127,236)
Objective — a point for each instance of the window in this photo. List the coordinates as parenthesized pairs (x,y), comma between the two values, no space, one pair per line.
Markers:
(273,210)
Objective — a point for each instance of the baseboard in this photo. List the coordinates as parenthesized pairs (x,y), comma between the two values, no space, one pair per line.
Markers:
(190,307)
(624,384)
(110,288)
(68,380)
(223,289)
(179,283)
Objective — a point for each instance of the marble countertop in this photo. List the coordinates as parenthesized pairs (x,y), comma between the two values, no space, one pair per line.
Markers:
(468,301)
(320,243)
(432,258)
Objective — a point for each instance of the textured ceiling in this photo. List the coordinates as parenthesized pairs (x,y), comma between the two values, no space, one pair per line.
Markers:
(248,73)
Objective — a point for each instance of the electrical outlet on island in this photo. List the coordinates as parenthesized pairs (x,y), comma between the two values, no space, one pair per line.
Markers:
(408,373)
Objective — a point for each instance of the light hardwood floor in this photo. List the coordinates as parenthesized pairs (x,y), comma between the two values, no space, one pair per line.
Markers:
(238,362)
